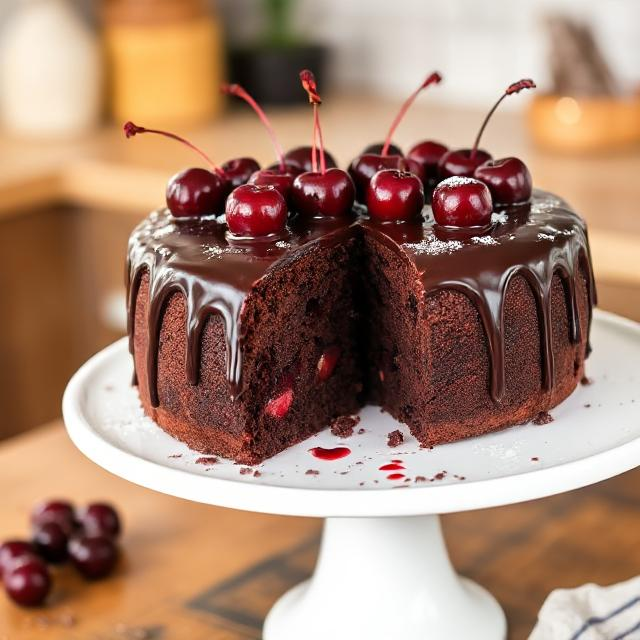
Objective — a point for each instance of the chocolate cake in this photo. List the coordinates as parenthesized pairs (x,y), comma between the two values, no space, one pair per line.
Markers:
(243,348)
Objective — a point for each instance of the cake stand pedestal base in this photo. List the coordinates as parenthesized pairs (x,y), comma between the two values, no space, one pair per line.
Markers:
(381,578)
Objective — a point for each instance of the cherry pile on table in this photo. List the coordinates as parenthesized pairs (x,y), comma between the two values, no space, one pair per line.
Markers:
(60,533)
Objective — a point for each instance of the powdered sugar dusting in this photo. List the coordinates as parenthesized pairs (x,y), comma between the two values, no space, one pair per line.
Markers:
(433,246)
(211,251)
(457,181)
(484,240)
(499,217)
(283,244)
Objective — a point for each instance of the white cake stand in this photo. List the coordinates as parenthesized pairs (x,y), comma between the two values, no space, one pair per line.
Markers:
(383,570)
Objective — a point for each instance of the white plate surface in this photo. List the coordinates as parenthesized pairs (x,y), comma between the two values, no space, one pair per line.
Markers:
(595,435)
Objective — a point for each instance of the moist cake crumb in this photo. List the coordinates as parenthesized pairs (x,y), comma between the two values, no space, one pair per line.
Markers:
(343,426)
(311,472)
(586,381)
(395,438)
(245,470)
(420,479)
(544,417)
(206,460)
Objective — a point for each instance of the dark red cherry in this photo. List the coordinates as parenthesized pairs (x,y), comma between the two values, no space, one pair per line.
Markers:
(462,202)
(282,182)
(27,582)
(254,211)
(14,550)
(394,195)
(365,166)
(377,147)
(427,154)
(196,192)
(463,162)
(50,540)
(300,159)
(508,180)
(292,169)
(100,519)
(316,194)
(193,192)
(95,557)
(239,170)
(459,162)
(59,511)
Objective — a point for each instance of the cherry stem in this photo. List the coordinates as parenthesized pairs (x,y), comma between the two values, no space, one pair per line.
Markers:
(433,78)
(516,87)
(309,85)
(240,92)
(131,130)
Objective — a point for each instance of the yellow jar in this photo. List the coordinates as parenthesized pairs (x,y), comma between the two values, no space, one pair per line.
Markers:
(165,61)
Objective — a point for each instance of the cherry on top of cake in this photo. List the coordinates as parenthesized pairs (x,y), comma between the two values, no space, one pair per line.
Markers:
(364,166)
(508,179)
(323,191)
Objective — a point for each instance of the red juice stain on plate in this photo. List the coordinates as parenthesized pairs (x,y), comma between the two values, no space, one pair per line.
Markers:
(330,454)
(395,476)
(392,466)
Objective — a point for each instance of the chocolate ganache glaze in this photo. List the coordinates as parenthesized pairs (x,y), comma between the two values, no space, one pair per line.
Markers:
(196,258)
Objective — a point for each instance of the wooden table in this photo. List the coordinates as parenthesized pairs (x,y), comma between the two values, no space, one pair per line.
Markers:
(199,572)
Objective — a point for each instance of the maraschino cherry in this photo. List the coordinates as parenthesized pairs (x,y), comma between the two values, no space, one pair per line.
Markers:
(255,211)
(323,192)
(366,165)
(281,176)
(460,201)
(394,195)
(195,191)
(463,162)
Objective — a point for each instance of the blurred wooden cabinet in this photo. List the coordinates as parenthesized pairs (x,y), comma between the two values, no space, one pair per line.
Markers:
(57,268)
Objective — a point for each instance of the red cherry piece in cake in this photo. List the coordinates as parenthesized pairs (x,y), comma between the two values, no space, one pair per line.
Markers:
(394,196)
(279,406)
(95,557)
(50,540)
(462,202)
(508,180)
(255,211)
(15,550)
(101,519)
(239,170)
(27,582)
(327,362)
(61,512)
(196,192)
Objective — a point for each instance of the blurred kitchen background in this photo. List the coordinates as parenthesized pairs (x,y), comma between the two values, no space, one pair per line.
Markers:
(72,188)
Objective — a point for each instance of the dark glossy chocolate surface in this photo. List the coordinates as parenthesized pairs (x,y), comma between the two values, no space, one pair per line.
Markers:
(215,275)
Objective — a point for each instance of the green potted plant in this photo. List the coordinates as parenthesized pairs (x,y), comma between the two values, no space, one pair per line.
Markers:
(269,68)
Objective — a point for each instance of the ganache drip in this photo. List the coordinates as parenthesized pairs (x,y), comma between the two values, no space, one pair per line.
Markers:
(193,258)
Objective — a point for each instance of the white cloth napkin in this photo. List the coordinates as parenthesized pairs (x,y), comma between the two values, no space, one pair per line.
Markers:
(591,612)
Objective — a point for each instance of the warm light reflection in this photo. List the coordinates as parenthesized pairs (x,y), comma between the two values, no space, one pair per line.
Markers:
(568,111)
